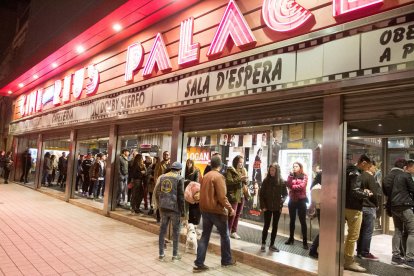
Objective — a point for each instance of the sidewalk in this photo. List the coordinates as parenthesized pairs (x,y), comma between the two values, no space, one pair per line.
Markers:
(41,235)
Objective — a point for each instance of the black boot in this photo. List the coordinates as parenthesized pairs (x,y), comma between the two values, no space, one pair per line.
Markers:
(290,241)
(305,244)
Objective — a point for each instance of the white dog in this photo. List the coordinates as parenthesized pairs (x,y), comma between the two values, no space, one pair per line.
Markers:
(191,242)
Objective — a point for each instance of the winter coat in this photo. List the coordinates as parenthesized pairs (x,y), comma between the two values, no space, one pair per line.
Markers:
(160,168)
(213,194)
(297,186)
(272,194)
(169,193)
(234,184)
(123,165)
(189,192)
(354,189)
(402,191)
(48,165)
(387,185)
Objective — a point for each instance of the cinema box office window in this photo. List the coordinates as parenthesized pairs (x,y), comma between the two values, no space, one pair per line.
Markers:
(261,146)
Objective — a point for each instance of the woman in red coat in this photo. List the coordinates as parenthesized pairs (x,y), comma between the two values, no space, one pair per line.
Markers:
(296,183)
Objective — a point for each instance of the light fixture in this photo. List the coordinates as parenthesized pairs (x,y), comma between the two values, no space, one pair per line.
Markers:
(80,49)
(399,130)
(380,125)
(117,27)
(54,65)
(35,76)
(9,92)
(21,85)
(354,129)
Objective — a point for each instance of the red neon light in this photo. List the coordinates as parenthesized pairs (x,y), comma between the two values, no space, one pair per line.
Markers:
(234,25)
(341,7)
(78,83)
(284,15)
(188,51)
(67,82)
(57,92)
(135,56)
(93,80)
(159,56)
(39,99)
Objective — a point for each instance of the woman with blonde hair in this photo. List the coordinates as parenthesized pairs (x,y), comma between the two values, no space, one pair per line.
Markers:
(236,178)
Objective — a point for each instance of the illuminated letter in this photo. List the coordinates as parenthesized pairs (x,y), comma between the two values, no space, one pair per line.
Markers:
(67,83)
(159,56)
(78,83)
(284,15)
(93,80)
(31,105)
(188,51)
(22,105)
(234,25)
(39,100)
(341,7)
(135,56)
(56,92)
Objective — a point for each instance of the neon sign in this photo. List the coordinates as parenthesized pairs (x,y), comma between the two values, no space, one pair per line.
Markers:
(341,7)
(278,15)
(284,15)
(33,102)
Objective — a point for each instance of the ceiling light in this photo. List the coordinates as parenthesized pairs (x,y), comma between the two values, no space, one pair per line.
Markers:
(117,27)
(35,76)
(399,130)
(21,85)
(354,129)
(380,125)
(54,65)
(9,92)
(80,49)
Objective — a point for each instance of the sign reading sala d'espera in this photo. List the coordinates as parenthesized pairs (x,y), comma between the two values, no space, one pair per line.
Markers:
(266,71)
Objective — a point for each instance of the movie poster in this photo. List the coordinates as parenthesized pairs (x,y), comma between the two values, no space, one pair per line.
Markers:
(200,155)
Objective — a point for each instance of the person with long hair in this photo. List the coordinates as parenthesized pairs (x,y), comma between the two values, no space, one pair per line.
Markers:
(297,182)
(151,185)
(138,171)
(272,196)
(236,178)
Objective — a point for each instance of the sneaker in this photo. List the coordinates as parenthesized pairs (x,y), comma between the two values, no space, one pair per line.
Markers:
(305,245)
(273,248)
(200,268)
(313,254)
(409,264)
(235,236)
(397,260)
(232,263)
(161,258)
(369,257)
(263,247)
(176,258)
(354,267)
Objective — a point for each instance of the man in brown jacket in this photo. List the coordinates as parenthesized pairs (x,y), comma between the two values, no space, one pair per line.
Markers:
(215,209)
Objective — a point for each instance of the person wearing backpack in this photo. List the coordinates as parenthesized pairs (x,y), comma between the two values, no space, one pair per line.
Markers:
(169,196)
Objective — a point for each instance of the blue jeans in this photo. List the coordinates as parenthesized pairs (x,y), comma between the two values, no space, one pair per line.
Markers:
(220,221)
(165,220)
(122,184)
(369,215)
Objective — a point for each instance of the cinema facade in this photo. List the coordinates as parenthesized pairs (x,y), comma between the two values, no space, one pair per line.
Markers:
(274,81)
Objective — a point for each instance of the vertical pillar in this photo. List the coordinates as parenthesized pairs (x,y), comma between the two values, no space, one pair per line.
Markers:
(110,170)
(177,139)
(72,166)
(385,219)
(333,196)
(39,161)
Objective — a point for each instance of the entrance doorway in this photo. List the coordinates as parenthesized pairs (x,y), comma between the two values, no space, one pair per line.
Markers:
(384,141)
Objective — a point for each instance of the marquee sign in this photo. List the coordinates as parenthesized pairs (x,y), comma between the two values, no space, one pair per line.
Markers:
(278,15)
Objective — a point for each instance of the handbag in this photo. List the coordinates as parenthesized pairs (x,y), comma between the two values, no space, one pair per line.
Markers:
(246,191)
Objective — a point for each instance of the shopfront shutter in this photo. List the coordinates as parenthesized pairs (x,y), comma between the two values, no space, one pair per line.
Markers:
(145,126)
(383,104)
(92,133)
(256,115)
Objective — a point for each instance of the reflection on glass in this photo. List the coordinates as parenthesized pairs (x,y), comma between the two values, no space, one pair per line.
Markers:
(54,164)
